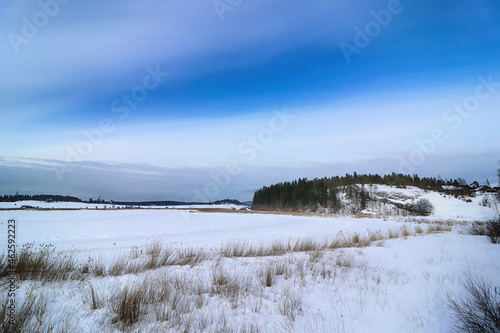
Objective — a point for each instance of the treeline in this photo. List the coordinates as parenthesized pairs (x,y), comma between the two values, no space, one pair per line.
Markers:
(349,192)
(38,197)
(227,202)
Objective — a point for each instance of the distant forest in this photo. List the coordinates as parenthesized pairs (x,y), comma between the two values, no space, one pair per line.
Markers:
(332,193)
(38,197)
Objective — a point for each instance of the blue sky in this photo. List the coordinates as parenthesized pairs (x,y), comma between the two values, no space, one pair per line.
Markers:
(210,99)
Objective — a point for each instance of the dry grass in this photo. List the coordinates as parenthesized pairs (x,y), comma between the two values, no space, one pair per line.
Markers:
(491,229)
(127,304)
(159,255)
(96,301)
(154,256)
(393,234)
(336,243)
(290,303)
(406,232)
(220,277)
(189,257)
(315,256)
(359,241)
(281,267)
(119,266)
(343,260)
(375,236)
(438,227)
(244,211)
(98,266)
(177,302)
(419,230)
(276,249)
(92,297)
(41,263)
(236,249)
(30,315)
(362,216)
(477,229)
(306,245)
(268,276)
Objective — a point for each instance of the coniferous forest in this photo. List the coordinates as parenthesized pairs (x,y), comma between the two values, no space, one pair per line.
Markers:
(340,193)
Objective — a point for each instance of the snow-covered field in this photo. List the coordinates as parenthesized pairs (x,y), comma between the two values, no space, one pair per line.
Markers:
(157,270)
(83,205)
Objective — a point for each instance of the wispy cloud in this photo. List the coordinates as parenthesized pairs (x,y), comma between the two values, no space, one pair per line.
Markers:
(226,78)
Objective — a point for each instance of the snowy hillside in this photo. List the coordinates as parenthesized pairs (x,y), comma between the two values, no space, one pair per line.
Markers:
(346,196)
(445,206)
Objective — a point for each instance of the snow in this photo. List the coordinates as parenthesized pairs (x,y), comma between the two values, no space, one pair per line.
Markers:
(55,205)
(446,207)
(83,205)
(122,229)
(394,285)
(211,206)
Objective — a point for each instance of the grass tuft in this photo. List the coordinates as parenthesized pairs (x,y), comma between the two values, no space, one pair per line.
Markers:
(29,317)
(41,263)
(189,257)
(127,305)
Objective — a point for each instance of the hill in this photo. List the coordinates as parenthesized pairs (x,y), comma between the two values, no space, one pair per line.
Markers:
(343,195)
